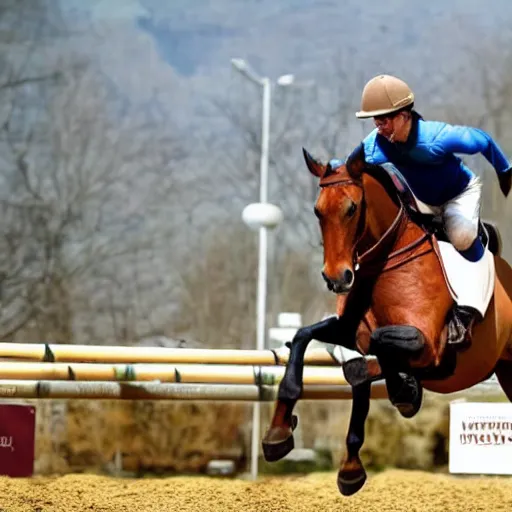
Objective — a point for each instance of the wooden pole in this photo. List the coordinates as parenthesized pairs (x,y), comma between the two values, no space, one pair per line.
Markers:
(116,354)
(10,389)
(186,373)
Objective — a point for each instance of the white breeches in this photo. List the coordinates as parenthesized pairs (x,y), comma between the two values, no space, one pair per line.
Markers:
(462,214)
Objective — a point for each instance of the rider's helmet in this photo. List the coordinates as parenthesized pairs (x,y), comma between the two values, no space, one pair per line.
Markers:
(384,94)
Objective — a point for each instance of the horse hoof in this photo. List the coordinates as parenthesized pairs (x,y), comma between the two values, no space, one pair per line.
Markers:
(351,481)
(410,409)
(407,410)
(278,441)
(360,370)
(277,450)
(355,371)
(409,397)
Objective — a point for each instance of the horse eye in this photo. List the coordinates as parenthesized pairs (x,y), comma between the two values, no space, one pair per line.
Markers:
(351,209)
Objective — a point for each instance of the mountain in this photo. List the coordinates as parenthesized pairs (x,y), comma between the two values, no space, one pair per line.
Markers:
(184,47)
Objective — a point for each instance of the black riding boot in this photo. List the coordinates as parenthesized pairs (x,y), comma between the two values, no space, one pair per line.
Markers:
(460,326)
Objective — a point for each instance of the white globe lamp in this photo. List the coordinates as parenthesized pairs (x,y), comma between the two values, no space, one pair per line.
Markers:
(262,215)
(286,80)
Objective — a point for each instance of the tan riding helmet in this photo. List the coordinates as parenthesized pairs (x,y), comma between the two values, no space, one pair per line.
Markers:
(384,94)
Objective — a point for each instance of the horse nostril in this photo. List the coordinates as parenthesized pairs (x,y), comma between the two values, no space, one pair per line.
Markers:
(348,276)
(330,285)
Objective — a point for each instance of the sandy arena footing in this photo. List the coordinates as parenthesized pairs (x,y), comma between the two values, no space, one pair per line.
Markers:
(389,491)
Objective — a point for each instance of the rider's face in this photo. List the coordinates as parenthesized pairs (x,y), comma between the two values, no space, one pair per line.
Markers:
(390,126)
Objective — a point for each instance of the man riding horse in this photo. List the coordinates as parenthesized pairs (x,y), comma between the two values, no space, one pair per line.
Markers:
(398,280)
(423,151)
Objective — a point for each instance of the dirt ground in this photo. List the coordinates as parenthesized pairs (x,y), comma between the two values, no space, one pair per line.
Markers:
(390,491)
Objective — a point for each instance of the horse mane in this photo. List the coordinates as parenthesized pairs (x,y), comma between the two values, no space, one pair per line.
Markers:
(383,177)
(392,183)
(387,175)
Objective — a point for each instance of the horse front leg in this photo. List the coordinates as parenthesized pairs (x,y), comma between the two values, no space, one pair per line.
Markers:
(394,345)
(278,440)
(352,476)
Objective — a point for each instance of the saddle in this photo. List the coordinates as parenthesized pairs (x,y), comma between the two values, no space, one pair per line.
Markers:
(471,284)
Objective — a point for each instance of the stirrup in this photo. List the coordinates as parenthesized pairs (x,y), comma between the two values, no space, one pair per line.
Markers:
(460,326)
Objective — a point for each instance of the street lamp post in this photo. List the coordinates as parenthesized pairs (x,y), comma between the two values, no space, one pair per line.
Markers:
(262,216)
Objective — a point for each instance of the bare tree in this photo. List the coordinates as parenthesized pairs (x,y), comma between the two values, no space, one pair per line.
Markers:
(217,294)
(217,290)
(85,175)
(319,118)
(25,27)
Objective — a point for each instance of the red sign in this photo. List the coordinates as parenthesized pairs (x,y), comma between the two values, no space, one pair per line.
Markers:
(17,435)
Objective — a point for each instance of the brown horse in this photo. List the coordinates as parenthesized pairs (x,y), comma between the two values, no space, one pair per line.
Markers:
(392,302)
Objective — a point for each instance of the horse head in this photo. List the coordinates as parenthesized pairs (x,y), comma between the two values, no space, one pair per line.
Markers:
(341,213)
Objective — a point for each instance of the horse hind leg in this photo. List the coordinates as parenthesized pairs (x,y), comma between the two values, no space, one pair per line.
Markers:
(352,476)
(503,371)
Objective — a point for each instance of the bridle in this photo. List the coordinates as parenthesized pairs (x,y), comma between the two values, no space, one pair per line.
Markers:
(373,261)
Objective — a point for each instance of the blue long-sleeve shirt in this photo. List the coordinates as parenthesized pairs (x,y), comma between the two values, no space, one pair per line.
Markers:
(427,160)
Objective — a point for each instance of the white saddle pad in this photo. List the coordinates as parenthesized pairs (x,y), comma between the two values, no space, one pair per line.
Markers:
(472,284)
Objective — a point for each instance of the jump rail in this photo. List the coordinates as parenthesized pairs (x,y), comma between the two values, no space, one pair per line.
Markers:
(44,352)
(157,373)
(180,373)
(10,389)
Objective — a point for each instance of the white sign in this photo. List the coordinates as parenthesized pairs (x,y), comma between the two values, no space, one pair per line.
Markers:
(481,438)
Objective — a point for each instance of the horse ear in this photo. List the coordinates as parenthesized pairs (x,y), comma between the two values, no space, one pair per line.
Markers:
(315,167)
(356,162)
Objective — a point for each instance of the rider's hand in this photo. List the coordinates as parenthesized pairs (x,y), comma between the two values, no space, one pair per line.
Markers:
(505,179)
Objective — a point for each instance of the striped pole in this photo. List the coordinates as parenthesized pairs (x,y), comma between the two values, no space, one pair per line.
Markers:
(185,373)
